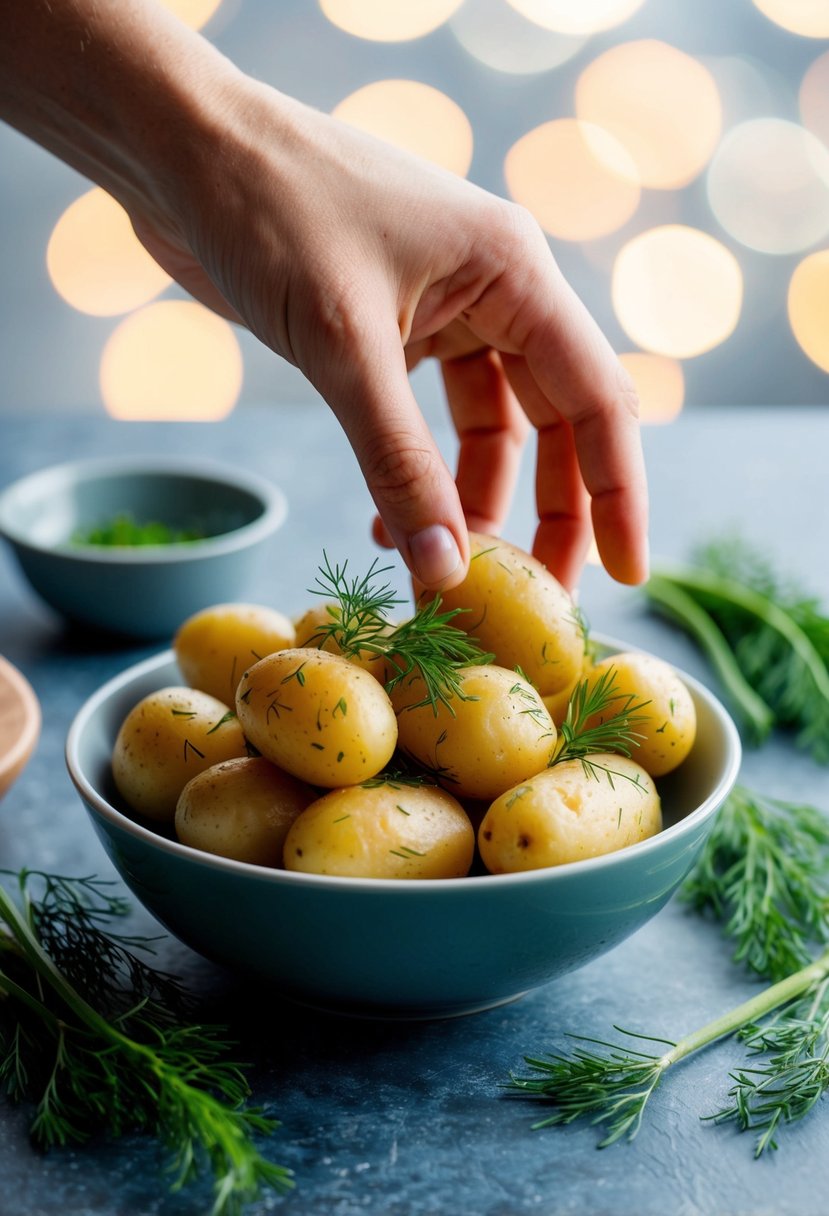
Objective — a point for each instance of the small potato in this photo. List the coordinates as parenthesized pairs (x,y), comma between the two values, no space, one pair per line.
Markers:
(566,814)
(308,634)
(497,734)
(317,716)
(242,809)
(520,613)
(669,721)
(167,738)
(388,830)
(213,647)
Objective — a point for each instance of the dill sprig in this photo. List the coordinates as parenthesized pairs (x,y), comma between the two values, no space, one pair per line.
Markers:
(613,1085)
(791,1073)
(91,1034)
(427,644)
(767,640)
(763,873)
(599,719)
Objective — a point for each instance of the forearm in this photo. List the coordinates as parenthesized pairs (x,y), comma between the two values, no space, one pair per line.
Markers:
(120,91)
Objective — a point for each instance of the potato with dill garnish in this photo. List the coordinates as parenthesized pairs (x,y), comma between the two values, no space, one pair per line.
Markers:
(318,716)
(384,829)
(241,809)
(170,736)
(573,810)
(312,629)
(492,734)
(666,723)
(517,610)
(214,646)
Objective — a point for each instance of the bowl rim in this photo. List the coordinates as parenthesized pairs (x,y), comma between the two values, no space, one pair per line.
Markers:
(25,742)
(94,800)
(272,502)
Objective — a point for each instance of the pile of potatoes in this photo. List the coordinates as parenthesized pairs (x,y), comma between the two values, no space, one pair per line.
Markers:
(279,751)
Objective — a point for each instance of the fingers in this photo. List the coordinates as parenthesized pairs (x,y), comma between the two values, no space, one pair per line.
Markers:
(407,477)
(564,530)
(492,429)
(531,311)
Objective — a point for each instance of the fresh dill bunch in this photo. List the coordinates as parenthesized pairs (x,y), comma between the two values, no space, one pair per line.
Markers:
(427,644)
(763,873)
(611,1083)
(599,719)
(768,642)
(92,1035)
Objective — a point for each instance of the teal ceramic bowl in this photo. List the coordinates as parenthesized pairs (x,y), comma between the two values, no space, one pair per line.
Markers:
(142,591)
(390,948)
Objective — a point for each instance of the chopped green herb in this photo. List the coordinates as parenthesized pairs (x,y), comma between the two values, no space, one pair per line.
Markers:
(123,531)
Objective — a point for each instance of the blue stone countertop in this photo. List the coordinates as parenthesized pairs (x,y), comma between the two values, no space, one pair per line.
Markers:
(407,1119)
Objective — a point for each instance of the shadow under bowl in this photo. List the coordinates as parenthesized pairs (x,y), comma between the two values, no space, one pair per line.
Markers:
(391,948)
(142,591)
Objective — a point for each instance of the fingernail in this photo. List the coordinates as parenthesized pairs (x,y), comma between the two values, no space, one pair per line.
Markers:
(435,555)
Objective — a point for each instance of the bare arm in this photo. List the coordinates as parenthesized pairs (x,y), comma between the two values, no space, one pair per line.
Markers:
(353,261)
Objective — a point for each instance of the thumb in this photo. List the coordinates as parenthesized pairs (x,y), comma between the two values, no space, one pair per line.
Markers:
(407,477)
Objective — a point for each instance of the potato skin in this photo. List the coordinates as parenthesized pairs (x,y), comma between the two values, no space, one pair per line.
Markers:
(317,716)
(307,634)
(669,725)
(564,814)
(520,613)
(167,738)
(486,743)
(241,809)
(213,647)
(388,830)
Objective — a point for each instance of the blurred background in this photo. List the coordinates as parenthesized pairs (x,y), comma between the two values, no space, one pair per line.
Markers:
(676,152)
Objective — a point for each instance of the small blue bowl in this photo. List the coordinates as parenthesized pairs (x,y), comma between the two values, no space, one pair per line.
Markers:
(141,591)
(392,948)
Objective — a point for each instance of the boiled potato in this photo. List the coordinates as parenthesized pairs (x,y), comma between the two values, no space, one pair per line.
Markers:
(669,724)
(308,634)
(520,613)
(167,738)
(318,716)
(242,809)
(568,813)
(388,830)
(213,647)
(495,735)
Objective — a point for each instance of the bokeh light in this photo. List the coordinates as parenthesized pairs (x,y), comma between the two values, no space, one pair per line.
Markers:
(194,13)
(808,307)
(497,35)
(575,178)
(768,185)
(814,98)
(809,18)
(388,20)
(173,360)
(661,104)
(415,117)
(97,263)
(577,16)
(660,385)
(677,291)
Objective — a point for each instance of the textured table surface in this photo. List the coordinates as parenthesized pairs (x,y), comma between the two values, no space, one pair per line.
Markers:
(407,1119)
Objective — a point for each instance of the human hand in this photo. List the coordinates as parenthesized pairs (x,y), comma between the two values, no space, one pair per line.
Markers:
(353,261)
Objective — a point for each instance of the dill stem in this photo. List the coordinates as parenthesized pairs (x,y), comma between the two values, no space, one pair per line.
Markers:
(667,594)
(757,605)
(750,1011)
